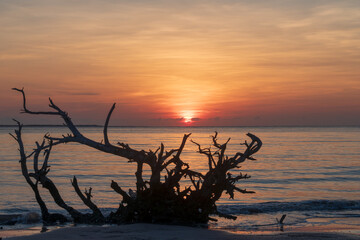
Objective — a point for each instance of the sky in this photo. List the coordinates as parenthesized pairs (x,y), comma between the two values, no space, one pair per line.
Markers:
(183,63)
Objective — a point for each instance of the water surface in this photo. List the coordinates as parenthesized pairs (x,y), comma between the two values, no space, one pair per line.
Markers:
(312,171)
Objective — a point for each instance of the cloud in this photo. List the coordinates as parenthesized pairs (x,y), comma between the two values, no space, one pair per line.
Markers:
(14,57)
(78,93)
(214,119)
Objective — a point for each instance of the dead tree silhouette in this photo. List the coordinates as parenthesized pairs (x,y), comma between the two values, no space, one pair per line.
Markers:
(160,199)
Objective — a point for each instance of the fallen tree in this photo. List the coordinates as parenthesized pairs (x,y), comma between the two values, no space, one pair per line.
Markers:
(161,198)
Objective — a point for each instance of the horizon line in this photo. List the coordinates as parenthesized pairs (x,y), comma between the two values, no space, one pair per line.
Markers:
(129,126)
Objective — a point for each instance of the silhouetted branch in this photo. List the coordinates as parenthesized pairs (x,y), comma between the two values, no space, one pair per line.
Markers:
(106,140)
(87,200)
(118,189)
(46,217)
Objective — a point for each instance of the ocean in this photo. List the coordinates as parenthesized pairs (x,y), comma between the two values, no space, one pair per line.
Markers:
(311,174)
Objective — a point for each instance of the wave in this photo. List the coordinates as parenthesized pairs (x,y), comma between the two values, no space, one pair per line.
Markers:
(301,206)
(12,219)
(234,209)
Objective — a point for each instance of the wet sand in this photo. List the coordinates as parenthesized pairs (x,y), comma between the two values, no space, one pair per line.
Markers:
(155,231)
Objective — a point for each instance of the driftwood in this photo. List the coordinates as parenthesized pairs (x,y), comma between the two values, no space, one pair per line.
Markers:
(161,199)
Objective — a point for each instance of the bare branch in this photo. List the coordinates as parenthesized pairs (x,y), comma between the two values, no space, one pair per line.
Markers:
(176,158)
(63,114)
(161,152)
(106,139)
(118,189)
(186,136)
(34,186)
(207,152)
(45,166)
(87,200)
(38,149)
(25,110)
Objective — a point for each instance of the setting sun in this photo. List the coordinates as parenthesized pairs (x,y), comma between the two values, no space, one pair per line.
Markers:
(187,119)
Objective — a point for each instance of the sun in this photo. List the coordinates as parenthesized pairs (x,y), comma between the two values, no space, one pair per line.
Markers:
(188,120)
(187,117)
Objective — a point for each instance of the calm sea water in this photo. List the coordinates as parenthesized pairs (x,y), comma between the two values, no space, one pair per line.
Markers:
(311,174)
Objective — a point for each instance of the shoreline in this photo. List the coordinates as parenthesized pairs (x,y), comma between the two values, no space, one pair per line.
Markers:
(173,232)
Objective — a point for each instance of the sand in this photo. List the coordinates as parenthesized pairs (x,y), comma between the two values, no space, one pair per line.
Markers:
(158,232)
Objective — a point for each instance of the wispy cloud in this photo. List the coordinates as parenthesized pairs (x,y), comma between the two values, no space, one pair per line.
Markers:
(77,93)
(161,59)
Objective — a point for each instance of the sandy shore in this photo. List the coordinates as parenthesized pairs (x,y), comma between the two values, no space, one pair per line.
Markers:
(153,231)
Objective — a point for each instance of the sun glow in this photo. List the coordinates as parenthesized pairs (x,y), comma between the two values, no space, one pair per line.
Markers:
(187,117)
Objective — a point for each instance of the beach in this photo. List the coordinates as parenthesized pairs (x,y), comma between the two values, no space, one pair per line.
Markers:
(155,231)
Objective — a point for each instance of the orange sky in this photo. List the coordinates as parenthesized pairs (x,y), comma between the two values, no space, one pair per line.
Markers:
(167,62)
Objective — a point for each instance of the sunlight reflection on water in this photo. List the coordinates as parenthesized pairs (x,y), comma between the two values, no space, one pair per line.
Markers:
(294,164)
